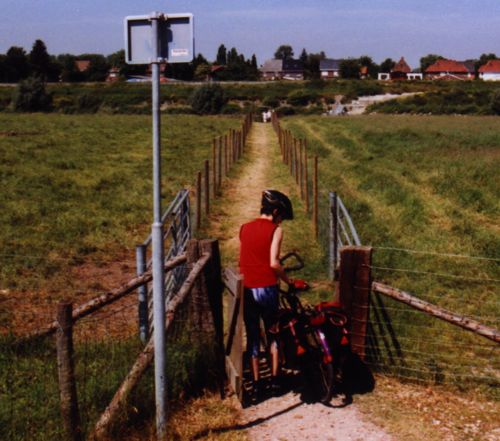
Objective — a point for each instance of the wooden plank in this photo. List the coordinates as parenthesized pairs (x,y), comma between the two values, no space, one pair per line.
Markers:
(235,380)
(231,279)
(438,312)
(235,307)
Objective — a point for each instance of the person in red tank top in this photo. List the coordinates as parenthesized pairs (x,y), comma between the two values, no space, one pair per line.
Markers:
(260,245)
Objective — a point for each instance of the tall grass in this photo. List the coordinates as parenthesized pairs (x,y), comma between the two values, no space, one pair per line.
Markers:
(79,187)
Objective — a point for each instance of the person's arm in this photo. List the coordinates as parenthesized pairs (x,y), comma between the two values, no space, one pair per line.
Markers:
(275,255)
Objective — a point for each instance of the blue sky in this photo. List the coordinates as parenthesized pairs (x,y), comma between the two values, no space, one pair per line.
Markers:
(457,29)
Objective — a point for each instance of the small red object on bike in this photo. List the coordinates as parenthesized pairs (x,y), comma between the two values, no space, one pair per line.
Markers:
(299,284)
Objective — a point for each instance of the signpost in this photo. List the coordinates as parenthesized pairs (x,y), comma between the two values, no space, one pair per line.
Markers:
(154,39)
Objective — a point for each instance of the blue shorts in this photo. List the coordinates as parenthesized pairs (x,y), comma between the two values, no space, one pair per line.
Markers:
(260,303)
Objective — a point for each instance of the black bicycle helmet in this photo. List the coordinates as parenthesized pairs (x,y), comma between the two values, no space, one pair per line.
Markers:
(275,200)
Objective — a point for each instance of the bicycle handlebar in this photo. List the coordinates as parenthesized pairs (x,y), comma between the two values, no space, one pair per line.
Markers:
(299,265)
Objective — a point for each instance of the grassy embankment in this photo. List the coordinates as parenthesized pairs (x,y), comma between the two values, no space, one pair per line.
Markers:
(302,97)
(76,192)
(425,184)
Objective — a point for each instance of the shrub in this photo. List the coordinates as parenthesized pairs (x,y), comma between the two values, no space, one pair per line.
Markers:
(88,103)
(495,102)
(300,97)
(231,109)
(208,100)
(31,96)
(285,110)
(270,101)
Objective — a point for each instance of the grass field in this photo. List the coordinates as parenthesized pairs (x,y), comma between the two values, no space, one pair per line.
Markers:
(76,192)
(78,187)
(427,185)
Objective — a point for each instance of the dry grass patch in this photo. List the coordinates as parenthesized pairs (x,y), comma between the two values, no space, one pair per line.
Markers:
(416,412)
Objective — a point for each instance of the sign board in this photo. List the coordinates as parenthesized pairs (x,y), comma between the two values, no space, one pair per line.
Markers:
(175,38)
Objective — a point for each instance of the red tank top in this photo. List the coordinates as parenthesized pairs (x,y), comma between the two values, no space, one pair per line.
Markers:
(255,253)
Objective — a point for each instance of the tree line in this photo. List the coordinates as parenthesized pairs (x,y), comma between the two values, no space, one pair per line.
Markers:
(17,65)
(229,65)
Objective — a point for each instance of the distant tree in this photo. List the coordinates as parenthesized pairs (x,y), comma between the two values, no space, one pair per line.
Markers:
(208,99)
(495,102)
(428,60)
(117,59)
(387,65)
(311,65)
(202,72)
(373,68)
(16,65)
(221,58)
(3,69)
(483,59)
(39,60)
(98,68)
(303,56)
(30,96)
(69,72)
(349,68)
(284,52)
(253,62)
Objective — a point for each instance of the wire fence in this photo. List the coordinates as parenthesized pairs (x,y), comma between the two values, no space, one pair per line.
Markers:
(106,345)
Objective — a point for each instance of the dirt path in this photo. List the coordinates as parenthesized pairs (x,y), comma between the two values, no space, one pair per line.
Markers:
(285,418)
(242,194)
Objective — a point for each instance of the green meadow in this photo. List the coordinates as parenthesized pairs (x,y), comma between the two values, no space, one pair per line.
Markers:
(424,193)
(78,187)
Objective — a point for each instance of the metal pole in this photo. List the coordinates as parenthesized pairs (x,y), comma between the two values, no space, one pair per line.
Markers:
(157,242)
(142,291)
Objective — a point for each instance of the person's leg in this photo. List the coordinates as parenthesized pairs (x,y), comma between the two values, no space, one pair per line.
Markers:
(252,320)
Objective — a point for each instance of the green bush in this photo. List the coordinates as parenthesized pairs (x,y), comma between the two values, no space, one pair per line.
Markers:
(271,101)
(301,97)
(31,96)
(495,102)
(231,109)
(88,103)
(285,111)
(178,110)
(208,100)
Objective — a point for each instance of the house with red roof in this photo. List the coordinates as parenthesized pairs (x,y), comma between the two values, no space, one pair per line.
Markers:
(400,72)
(448,70)
(490,71)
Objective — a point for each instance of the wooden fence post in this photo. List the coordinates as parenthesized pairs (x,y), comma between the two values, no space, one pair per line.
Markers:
(306,177)
(207,187)
(315,198)
(219,178)
(214,166)
(225,155)
(354,288)
(66,372)
(215,287)
(198,202)
(301,168)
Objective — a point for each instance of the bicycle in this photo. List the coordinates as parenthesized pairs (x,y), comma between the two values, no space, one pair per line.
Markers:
(312,339)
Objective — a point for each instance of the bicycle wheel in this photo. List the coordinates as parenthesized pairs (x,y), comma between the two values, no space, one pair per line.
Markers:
(320,379)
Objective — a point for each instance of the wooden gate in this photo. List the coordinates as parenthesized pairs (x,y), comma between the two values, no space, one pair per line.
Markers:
(234,344)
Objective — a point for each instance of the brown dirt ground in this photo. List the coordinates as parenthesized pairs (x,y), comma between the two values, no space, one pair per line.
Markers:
(286,417)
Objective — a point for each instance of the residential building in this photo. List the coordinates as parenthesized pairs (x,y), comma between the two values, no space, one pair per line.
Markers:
(329,68)
(82,65)
(282,70)
(400,72)
(449,70)
(490,71)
